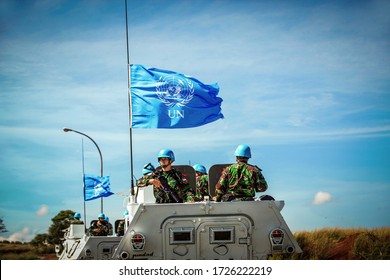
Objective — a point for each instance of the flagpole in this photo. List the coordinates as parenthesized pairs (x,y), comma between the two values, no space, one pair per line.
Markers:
(82,160)
(132,193)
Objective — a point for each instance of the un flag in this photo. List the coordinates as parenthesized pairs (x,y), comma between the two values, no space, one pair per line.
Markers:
(167,99)
(96,186)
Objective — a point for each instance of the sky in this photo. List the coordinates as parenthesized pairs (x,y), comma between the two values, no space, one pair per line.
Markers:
(304,83)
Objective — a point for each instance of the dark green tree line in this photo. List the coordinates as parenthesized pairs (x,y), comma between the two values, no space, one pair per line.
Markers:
(56,230)
(2,226)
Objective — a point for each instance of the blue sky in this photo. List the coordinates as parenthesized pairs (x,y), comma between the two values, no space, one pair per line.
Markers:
(304,83)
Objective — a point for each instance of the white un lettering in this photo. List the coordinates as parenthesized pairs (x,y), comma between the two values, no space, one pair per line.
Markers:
(176,114)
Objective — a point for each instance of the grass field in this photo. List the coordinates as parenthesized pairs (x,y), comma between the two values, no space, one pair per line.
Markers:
(342,244)
(17,251)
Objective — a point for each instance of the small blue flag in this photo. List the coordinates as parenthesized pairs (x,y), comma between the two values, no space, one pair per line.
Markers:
(95,187)
(166,99)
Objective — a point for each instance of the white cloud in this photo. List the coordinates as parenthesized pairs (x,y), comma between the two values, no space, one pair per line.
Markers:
(42,211)
(321,198)
(24,235)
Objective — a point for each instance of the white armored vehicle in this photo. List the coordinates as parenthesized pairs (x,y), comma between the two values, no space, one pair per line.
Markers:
(204,230)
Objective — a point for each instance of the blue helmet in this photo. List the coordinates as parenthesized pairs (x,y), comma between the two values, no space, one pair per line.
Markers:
(166,153)
(243,151)
(149,168)
(126,213)
(107,219)
(101,215)
(200,168)
(77,215)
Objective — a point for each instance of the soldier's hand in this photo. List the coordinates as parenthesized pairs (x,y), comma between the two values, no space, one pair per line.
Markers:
(156,183)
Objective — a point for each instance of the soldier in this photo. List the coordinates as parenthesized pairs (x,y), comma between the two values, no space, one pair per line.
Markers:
(76,219)
(99,227)
(109,226)
(241,180)
(169,185)
(202,183)
(120,230)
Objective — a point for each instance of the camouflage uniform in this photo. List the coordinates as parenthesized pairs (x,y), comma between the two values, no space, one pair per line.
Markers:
(77,222)
(110,228)
(142,182)
(177,183)
(202,187)
(120,231)
(240,181)
(99,228)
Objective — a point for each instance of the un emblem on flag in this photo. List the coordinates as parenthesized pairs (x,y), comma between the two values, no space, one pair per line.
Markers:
(174,90)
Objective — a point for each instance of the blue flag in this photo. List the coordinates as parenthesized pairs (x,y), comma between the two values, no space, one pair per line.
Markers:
(166,99)
(95,187)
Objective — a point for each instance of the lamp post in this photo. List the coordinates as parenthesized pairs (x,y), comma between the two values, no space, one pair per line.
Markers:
(66,129)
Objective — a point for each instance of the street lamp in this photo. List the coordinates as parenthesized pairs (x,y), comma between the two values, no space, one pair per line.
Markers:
(66,129)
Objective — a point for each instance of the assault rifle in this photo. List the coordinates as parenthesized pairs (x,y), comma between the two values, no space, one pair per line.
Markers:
(165,186)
